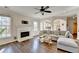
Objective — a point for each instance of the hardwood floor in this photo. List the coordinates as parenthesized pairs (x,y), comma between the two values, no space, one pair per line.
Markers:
(30,46)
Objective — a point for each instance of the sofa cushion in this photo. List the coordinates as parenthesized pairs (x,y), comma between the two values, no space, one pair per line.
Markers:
(68,35)
(67,42)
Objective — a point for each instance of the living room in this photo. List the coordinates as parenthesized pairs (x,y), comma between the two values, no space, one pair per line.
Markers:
(39,29)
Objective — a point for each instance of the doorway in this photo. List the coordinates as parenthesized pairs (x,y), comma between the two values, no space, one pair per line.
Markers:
(75,28)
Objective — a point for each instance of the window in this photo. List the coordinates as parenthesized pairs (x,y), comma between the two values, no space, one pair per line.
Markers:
(35,26)
(59,24)
(42,26)
(45,25)
(5,27)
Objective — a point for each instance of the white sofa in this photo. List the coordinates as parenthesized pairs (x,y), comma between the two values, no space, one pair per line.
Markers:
(67,44)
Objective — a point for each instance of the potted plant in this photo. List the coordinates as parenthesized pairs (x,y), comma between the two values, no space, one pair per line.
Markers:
(2,30)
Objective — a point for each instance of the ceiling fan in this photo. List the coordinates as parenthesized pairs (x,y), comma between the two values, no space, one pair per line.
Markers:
(43,9)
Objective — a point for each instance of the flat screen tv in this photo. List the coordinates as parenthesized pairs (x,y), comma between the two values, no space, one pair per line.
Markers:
(24,22)
(24,34)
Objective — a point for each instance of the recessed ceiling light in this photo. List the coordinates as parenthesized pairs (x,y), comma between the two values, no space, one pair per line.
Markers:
(5,7)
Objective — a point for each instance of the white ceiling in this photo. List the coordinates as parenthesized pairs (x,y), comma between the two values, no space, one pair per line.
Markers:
(30,10)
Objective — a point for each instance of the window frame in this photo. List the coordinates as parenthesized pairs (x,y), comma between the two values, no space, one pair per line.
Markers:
(45,24)
(35,26)
(10,26)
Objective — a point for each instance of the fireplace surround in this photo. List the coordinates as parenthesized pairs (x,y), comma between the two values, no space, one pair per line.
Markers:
(24,33)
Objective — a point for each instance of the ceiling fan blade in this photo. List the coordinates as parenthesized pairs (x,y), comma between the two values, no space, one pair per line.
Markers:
(42,7)
(46,7)
(48,11)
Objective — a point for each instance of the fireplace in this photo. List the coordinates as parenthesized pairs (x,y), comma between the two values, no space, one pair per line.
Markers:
(24,34)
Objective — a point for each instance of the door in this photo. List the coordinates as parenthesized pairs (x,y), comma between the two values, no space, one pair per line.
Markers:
(75,28)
